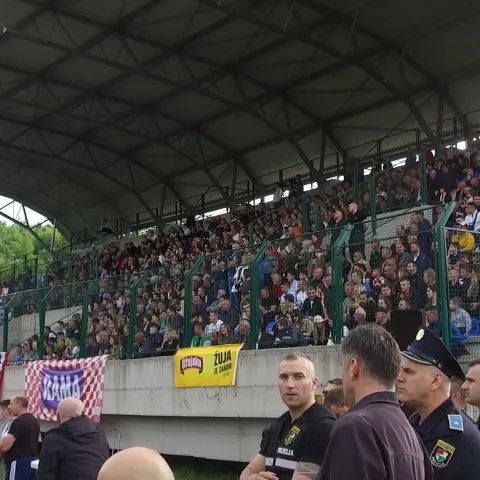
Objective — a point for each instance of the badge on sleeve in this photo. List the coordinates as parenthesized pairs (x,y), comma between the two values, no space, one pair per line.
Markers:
(441,454)
(455,422)
(292,436)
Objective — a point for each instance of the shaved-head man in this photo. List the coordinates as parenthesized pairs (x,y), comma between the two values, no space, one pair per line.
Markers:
(137,463)
(76,449)
(69,408)
(294,446)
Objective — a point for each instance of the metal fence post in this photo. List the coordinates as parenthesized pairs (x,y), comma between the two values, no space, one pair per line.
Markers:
(305,214)
(441,273)
(84,325)
(255,273)
(316,219)
(133,314)
(337,282)
(373,203)
(250,232)
(44,294)
(187,307)
(6,311)
(423,177)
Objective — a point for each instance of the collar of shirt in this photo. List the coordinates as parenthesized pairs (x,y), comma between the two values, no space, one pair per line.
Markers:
(428,425)
(377,397)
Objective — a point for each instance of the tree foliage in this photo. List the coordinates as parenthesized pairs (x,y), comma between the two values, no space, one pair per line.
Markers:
(17,243)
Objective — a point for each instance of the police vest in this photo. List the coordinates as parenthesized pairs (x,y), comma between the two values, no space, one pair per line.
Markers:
(284,442)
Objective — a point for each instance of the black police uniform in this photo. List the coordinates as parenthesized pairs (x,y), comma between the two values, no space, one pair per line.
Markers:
(451,440)
(286,443)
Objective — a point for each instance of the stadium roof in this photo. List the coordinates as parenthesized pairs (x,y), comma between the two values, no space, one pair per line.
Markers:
(116,107)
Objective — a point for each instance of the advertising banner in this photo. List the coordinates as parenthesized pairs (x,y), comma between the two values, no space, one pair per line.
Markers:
(50,381)
(206,366)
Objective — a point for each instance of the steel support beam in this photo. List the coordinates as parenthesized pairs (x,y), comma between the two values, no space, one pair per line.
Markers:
(356,59)
(26,227)
(439,121)
(389,45)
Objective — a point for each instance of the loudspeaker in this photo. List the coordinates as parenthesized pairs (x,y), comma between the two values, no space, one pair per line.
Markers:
(404,325)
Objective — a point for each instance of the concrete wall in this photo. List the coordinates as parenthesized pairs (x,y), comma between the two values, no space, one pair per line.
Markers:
(226,423)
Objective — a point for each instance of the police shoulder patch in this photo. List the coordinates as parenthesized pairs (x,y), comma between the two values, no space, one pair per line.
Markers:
(441,454)
(291,436)
(455,422)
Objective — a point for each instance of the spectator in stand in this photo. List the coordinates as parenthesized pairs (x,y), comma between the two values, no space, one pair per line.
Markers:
(295,272)
(460,318)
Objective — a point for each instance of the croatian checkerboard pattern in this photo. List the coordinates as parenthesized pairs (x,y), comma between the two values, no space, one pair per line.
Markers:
(93,385)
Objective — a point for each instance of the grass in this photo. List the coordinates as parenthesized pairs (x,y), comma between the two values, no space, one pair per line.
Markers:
(191,473)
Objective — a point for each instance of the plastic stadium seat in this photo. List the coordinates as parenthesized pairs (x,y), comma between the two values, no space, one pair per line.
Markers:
(474,330)
(457,337)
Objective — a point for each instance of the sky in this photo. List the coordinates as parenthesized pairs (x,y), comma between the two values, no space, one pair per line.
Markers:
(15,210)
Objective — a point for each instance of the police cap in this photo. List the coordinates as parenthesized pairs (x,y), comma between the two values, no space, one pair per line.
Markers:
(428,349)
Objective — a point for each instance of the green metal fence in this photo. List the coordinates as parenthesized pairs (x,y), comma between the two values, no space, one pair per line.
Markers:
(333,267)
(384,270)
(221,274)
(381,191)
(458,297)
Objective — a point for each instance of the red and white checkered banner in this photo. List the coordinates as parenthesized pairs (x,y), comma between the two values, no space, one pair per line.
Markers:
(48,382)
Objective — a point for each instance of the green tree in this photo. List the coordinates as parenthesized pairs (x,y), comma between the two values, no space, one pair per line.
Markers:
(18,246)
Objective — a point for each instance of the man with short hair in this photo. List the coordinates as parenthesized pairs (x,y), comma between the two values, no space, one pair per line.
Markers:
(20,446)
(294,446)
(471,386)
(6,418)
(335,402)
(457,394)
(76,450)
(451,440)
(375,432)
(332,384)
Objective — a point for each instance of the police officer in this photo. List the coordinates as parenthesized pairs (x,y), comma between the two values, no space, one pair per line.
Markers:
(374,440)
(295,444)
(450,438)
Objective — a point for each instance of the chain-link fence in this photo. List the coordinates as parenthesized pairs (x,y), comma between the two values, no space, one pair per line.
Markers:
(221,292)
(462,248)
(381,270)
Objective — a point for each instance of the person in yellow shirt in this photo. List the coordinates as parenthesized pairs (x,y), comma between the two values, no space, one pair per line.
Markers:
(465,240)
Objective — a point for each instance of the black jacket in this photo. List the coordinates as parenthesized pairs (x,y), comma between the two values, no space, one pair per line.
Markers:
(76,450)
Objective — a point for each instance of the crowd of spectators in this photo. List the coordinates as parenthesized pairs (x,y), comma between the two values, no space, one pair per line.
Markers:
(379,276)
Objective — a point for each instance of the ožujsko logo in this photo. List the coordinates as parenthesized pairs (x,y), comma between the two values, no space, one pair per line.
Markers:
(188,363)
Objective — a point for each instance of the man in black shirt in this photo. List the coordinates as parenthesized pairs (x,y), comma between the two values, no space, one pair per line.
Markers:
(294,446)
(20,446)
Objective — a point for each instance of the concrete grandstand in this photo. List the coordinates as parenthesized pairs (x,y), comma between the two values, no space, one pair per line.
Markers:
(152,112)
(133,110)
(336,142)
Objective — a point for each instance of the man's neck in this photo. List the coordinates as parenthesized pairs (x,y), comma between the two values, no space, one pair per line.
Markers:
(425,410)
(369,389)
(296,413)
